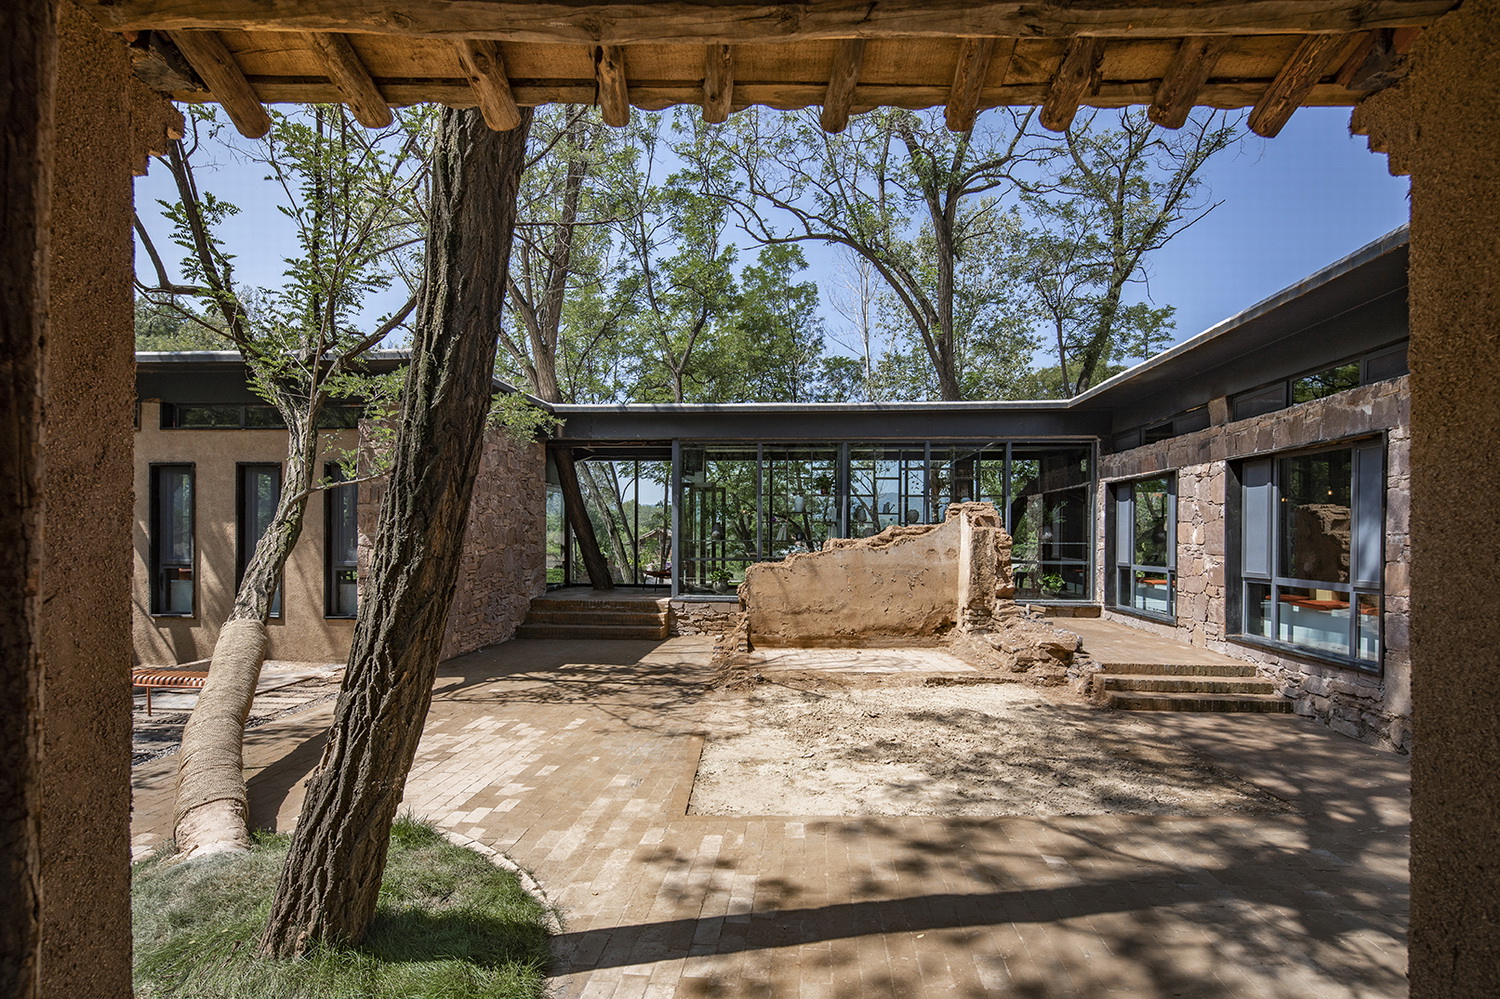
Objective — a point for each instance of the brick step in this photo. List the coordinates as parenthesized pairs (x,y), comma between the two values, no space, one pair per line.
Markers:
(552,605)
(1188,684)
(641,619)
(1259,703)
(583,631)
(1179,669)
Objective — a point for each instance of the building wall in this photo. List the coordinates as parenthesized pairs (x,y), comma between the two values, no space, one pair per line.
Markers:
(505,544)
(302,632)
(1367,706)
(1438,125)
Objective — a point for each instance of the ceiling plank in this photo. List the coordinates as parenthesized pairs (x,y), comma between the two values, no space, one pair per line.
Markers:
(1077,76)
(611,22)
(1298,76)
(485,69)
(843,77)
(609,77)
(1189,71)
(349,74)
(718,83)
(975,57)
(205,52)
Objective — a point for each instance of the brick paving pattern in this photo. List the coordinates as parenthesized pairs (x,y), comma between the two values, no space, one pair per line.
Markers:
(576,759)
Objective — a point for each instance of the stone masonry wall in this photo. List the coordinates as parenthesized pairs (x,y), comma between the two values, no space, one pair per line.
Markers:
(504,544)
(1375,708)
(702,617)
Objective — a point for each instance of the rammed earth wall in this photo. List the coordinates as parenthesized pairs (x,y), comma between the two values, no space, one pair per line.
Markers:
(1373,707)
(504,544)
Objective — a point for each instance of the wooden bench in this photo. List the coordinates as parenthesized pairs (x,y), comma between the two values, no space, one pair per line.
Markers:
(169,679)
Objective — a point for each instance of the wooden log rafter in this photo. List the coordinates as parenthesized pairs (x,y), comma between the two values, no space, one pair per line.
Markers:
(606,22)
(1077,76)
(1298,76)
(485,70)
(348,73)
(1177,94)
(609,79)
(975,57)
(718,83)
(843,77)
(212,61)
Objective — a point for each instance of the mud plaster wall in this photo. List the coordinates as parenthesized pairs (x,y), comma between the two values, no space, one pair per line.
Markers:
(103,120)
(503,565)
(1438,125)
(1376,709)
(301,632)
(904,583)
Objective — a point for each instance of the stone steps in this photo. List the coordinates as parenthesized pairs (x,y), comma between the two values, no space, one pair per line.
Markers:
(1258,703)
(1168,684)
(616,632)
(1179,669)
(622,620)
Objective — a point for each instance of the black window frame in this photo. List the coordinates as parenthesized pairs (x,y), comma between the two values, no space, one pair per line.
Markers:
(332,565)
(1362,582)
(1122,510)
(158,566)
(244,545)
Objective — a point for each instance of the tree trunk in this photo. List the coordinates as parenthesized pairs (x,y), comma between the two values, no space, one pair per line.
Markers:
(578,519)
(331,881)
(209,815)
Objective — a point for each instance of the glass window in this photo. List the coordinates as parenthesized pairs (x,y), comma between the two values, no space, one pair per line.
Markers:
(341,546)
(258,417)
(1305,520)
(172,540)
(1047,516)
(201,417)
(1388,363)
(1260,401)
(1325,383)
(1145,545)
(258,491)
(722,530)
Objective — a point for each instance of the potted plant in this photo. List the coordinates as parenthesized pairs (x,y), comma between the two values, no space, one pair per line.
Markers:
(1052,584)
(720,578)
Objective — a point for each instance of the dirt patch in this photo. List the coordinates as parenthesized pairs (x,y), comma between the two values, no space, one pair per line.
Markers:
(899,744)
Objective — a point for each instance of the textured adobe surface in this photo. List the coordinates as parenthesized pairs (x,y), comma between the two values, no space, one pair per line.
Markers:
(85,587)
(1439,126)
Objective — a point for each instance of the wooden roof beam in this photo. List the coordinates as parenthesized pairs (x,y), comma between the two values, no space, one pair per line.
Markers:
(718,83)
(975,57)
(1298,76)
(205,52)
(609,22)
(485,70)
(842,79)
(1077,76)
(1177,94)
(609,79)
(348,73)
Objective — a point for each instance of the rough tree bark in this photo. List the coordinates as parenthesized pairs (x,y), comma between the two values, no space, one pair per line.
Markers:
(329,887)
(209,815)
(28,53)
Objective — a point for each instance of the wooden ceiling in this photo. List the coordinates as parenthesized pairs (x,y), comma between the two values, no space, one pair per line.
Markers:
(845,56)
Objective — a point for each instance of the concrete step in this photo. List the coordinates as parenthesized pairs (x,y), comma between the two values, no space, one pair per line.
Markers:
(641,619)
(1261,703)
(588,631)
(1188,684)
(1179,669)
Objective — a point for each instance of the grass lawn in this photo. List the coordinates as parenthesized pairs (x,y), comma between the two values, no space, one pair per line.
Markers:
(450,924)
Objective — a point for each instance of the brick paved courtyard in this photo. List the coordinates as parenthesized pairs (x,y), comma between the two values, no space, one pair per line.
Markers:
(576,759)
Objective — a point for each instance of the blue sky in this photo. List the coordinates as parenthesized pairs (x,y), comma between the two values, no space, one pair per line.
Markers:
(1290,205)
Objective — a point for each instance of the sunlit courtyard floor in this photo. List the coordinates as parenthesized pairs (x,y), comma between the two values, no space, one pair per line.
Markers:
(577,759)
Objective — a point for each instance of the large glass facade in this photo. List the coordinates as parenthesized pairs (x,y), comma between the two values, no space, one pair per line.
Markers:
(747,503)
(628,503)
